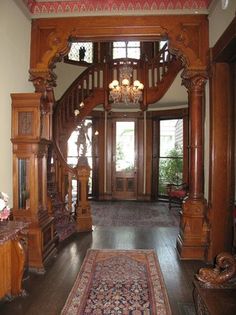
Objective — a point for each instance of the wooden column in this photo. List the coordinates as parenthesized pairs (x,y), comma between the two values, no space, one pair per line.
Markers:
(192,240)
(83,210)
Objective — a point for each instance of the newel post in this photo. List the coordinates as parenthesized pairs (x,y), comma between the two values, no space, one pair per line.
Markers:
(192,241)
(83,209)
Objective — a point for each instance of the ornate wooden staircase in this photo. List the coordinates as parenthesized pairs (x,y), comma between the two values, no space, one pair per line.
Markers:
(85,93)
(91,88)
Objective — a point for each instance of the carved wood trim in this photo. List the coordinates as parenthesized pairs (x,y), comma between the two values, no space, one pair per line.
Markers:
(219,275)
(50,38)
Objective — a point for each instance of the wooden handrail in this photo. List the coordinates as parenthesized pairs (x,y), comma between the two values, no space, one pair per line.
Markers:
(154,74)
(91,89)
(63,172)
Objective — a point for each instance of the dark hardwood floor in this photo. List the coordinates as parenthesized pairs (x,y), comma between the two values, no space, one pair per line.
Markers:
(47,293)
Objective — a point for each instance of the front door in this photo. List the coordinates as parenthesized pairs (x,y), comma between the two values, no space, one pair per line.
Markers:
(124,175)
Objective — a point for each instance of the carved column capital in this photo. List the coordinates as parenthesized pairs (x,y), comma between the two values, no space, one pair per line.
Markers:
(43,79)
(194,81)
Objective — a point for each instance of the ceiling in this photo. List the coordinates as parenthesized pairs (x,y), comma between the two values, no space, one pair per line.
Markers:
(41,8)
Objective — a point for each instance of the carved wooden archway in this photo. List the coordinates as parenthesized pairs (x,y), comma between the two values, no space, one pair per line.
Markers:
(188,39)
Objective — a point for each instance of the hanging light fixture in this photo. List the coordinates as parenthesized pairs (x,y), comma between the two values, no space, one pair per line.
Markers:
(77,111)
(125,92)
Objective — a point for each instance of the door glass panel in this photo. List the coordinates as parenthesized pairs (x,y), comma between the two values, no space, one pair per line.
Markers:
(125,146)
(171,153)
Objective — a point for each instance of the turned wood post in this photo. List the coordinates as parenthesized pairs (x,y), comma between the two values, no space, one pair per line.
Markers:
(192,240)
(83,209)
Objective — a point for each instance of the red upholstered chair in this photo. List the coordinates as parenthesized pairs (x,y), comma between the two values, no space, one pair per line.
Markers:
(176,194)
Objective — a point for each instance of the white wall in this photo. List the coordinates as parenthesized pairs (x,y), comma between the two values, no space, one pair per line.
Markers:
(66,74)
(220,19)
(15,30)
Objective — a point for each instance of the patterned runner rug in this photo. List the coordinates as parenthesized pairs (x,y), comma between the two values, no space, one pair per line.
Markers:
(127,282)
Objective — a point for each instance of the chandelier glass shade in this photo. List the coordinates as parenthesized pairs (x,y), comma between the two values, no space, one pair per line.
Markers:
(124,91)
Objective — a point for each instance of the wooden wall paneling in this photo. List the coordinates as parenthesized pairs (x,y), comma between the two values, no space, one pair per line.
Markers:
(109,158)
(155,150)
(148,49)
(105,51)
(221,166)
(140,159)
(149,154)
(222,141)
(98,153)
(185,147)
(101,157)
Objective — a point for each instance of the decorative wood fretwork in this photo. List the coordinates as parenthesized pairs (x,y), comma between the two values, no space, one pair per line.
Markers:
(50,38)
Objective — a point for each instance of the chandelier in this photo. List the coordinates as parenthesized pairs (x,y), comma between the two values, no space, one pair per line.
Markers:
(124,91)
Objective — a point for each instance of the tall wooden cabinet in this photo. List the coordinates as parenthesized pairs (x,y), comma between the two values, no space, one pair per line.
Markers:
(30,146)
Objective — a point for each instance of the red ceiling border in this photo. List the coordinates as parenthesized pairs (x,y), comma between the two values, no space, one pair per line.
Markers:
(92,6)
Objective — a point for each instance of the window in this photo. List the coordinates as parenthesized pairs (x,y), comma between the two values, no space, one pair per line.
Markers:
(162,43)
(75,149)
(170,154)
(130,49)
(81,51)
(125,146)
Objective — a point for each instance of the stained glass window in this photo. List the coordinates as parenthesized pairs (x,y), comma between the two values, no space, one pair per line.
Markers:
(81,51)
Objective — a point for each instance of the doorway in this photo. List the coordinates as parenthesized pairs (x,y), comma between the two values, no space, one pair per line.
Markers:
(124,161)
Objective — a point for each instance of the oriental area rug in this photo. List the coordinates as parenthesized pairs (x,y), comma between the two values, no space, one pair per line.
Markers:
(133,213)
(112,282)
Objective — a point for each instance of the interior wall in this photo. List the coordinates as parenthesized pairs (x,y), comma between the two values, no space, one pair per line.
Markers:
(66,74)
(14,65)
(216,28)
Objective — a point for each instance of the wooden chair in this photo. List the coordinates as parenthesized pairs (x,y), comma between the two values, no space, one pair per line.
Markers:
(176,194)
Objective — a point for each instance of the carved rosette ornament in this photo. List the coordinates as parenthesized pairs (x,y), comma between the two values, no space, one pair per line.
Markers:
(222,275)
